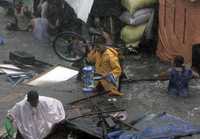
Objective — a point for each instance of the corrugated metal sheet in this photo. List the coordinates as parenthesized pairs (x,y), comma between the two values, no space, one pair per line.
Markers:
(179,28)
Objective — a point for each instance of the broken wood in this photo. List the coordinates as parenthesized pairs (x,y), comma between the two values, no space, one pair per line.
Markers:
(87,98)
(96,113)
(126,124)
(144,79)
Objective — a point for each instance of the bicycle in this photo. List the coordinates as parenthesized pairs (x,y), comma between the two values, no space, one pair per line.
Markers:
(76,48)
(72,47)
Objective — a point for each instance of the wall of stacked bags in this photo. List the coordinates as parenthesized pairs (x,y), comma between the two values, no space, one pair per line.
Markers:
(136,18)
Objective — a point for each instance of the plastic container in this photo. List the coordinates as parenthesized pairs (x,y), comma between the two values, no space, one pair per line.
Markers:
(88,79)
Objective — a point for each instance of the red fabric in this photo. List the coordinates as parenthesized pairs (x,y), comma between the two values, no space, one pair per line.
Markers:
(179,28)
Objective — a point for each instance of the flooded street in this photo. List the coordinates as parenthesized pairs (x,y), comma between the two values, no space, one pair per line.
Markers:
(139,98)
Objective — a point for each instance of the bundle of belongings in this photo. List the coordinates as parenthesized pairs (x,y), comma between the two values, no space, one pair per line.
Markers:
(139,19)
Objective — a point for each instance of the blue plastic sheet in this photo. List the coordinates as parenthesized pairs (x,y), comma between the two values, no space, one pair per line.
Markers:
(164,126)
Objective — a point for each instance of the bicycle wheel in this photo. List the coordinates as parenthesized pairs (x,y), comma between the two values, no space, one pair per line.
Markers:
(70,46)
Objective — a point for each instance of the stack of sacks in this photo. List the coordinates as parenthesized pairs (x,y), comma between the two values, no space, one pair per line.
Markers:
(137,17)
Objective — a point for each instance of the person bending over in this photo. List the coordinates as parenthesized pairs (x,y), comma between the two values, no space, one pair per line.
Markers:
(35,115)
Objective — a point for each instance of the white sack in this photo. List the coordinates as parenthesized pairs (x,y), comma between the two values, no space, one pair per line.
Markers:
(82,8)
(36,123)
(139,17)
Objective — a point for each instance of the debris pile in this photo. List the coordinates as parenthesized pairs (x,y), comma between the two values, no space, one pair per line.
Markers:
(25,68)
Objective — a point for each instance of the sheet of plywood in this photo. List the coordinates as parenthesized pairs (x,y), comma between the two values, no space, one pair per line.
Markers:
(55,75)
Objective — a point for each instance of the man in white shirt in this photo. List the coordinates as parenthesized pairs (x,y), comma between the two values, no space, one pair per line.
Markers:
(35,115)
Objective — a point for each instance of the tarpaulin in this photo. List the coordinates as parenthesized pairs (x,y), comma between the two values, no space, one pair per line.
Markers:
(164,126)
(179,28)
(82,8)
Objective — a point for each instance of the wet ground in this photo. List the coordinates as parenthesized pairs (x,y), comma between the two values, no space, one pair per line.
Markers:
(139,98)
(23,41)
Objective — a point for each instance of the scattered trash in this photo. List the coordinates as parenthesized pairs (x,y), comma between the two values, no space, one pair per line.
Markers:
(10,69)
(14,74)
(15,79)
(22,67)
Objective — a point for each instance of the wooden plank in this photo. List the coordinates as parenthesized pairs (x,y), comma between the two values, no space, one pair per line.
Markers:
(87,98)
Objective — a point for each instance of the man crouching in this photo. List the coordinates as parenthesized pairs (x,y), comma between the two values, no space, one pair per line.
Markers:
(107,64)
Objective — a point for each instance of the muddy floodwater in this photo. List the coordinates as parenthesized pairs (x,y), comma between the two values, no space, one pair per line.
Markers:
(139,97)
